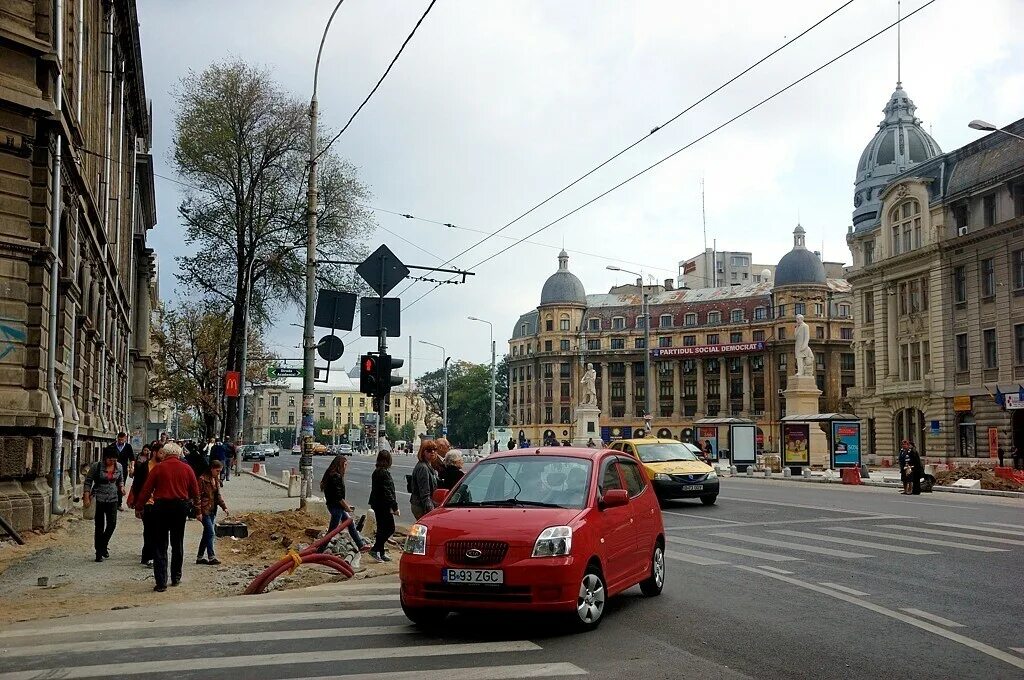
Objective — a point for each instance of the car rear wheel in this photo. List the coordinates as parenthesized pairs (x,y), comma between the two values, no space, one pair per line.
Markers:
(424,617)
(591,600)
(709,500)
(653,585)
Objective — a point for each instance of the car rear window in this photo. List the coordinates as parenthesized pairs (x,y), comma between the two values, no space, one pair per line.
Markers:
(527,481)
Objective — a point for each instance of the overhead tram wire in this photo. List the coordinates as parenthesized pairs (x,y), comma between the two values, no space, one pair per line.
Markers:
(688,145)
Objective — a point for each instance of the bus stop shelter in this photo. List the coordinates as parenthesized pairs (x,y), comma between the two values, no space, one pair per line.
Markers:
(736,438)
(805,443)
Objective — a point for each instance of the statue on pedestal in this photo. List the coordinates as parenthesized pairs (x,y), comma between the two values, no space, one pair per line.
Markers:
(804,354)
(588,395)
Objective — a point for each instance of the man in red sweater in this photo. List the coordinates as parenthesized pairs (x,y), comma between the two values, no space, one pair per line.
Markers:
(172,485)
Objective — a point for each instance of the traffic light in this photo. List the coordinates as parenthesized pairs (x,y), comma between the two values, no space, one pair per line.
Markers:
(385,381)
(369,377)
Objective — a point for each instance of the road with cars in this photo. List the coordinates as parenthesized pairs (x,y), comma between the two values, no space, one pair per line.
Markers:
(777,580)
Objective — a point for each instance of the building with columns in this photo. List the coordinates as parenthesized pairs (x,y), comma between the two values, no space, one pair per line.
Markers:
(938,286)
(715,352)
(77,279)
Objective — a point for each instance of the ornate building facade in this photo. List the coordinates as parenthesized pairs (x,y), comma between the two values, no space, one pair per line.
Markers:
(715,352)
(77,279)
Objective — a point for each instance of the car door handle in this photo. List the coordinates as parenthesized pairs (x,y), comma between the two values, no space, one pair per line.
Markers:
(630,520)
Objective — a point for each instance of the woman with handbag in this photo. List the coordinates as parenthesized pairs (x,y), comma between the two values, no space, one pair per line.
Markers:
(105,485)
(210,499)
(333,486)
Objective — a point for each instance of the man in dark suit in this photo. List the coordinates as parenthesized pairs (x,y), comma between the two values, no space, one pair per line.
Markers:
(126,457)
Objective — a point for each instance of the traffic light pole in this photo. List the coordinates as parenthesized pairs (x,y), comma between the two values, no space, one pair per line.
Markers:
(382,347)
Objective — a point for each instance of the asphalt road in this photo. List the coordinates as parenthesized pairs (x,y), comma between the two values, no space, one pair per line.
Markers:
(779,580)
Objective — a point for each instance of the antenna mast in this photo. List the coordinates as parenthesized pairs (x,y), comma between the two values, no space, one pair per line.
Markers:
(899,47)
(704,221)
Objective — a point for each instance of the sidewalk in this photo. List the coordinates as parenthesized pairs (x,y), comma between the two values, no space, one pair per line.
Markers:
(76,584)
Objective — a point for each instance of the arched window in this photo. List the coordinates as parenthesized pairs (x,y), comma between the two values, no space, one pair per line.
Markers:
(563,323)
(905,223)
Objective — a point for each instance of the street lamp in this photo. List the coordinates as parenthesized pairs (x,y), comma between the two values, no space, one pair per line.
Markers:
(989,127)
(494,394)
(444,399)
(645,310)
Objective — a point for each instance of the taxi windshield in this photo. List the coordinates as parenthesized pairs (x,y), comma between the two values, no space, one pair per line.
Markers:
(663,452)
(525,481)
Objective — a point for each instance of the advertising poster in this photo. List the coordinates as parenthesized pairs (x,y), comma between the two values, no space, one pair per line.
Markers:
(743,443)
(707,436)
(796,442)
(993,442)
(845,443)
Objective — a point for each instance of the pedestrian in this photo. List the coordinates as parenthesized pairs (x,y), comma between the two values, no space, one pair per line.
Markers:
(232,459)
(147,460)
(1017,457)
(916,470)
(452,471)
(125,456)
(495,450)
(105,485)
(511,443)
(219,452)
(423,480)
(173,487)
(196,459)
(591,444)
(384,503)
(210,499)
(903,460)
(333,486)
(1000,453)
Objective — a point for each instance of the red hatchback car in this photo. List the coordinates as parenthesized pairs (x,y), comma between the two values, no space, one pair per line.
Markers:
(545,530)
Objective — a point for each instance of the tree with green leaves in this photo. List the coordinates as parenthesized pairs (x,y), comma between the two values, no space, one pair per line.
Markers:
(404,432)
(241,145)
(469,401)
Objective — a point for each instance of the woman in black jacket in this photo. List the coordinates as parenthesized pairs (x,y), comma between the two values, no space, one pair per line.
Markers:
(384,504)
(451,471)
(333,486)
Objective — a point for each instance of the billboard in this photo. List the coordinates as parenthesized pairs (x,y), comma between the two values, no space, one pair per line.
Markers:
(796,439)
(707,350)
(743,443)
(707,437)
(845,443)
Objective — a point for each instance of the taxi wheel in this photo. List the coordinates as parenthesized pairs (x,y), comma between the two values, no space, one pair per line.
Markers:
(652,586)
(591,600)
(709,500)
(424,617)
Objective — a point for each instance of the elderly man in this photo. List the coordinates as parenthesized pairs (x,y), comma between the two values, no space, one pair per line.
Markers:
(172,486)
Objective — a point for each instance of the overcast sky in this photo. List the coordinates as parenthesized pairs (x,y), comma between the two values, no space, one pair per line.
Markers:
(495,105)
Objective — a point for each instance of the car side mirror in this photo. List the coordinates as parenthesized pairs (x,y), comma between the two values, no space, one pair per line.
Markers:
(614,498)
(440,496)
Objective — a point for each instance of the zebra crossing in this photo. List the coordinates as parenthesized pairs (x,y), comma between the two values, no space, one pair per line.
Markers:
(347,631)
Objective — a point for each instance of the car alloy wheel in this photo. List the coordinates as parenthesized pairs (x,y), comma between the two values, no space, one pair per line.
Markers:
(651,587)
(591,600)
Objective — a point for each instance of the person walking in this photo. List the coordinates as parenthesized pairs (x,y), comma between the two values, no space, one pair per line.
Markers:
(916,470)
(452,471)
(333,486)
(147,460)
(511,443)
(1001,454)
(232,457)
(105,485)
(903,460)
(172,486)
(423,481)
(591,444)
(210,499)
(125,456)
(1017,457)
(384,503)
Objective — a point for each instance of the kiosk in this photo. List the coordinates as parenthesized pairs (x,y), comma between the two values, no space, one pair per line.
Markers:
(821,439)
(717,433)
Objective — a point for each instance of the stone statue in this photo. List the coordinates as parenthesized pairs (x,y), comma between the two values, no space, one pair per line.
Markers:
(588,396)
(804,354)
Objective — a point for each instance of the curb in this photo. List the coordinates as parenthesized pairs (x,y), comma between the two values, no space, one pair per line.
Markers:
(893,485)
(268,480)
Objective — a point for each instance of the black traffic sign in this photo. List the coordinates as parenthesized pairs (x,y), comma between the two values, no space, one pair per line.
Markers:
(330,348)
(382,270)
(334,309)
(377,313)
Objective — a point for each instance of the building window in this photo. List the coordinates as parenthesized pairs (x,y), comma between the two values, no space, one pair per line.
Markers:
(689,366)
(988,278)
(618,343)
(522,330)
(961,353)
(689,340)
(966,435)
(549,325)
(593,345)
(896,240)
(988,209)
(781,333)
(618,323)
(323,402)
(844,311)
(547,345)
(1018,344)
(758,336)
(735,338)
(640,343)
(904,362)
(563,345)
(291,418)
(548,370)
(869,307)
(273,400)
(665,321)
(690,388)
(563,390)
(736,315)
(563,370)
(690,320)
(641,322)
(565,416)
(665,341)
(869,252)
(846,362)
(906,219)
(915,296)
(780,311)
(549,391)
(846,333)
(960,284)
(712,339)
(563,323)
(915,361)
(594,324)
(618,390)
(1017,275)
(548,414)
(989,342)
(869,368)
(273,417)
(714,317)
(760,313)
(819,332)
(799,308)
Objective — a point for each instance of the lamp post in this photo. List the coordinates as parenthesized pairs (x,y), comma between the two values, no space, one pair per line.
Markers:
(444,392)
(989,127)
(645,310)
(490,433)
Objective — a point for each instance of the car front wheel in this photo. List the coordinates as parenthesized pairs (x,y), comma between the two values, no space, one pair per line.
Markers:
(591,600)
(709,500)
(652,586)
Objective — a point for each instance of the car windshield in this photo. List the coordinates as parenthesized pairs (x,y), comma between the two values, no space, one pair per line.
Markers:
(525,481)
(662,452)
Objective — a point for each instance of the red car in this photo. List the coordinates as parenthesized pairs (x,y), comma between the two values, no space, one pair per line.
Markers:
(549,530)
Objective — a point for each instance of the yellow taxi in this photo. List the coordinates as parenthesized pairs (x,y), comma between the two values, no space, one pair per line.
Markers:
(674,468)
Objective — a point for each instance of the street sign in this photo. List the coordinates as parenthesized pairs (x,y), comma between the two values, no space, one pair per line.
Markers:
(382,270)
(232,383)
(330,348)
(334,309)
(284,372)
(375,313)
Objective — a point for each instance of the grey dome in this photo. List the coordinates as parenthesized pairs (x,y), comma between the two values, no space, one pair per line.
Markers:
(799,266)
(563,287)
(900,144)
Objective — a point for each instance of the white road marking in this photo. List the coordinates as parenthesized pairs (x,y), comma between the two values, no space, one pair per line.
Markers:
(934,618)
(259,601)
(530,670)
(792,505)
(787,545)
(855,542)
(1003,524)
(209,663)
(816,520)
(958,534)
(974,527)
(718,547)
(961,506)
(697,518)
(1019,650)
(884,611)
(775,569)
(692,559)
(845,589)
(918,539)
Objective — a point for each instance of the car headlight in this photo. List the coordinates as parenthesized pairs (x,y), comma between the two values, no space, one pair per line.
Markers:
(416,540)
(553,542)
(662,477)
(712,475)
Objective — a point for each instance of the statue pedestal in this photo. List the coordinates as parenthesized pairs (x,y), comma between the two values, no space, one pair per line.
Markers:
(802,400)
(586,427)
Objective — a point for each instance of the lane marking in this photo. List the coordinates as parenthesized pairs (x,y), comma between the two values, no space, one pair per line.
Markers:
(937,505)
(1018,649)
(718,547)
(775,569)
(855,542)
(974,527)
(845,589)
(788,545)
(793,505)
(30,649)
(958,534)
(816,520)
(203,620)
(526,670)
(1002,524)
(934,618)
(208,663)
(256,601)
(692,559)
(918,539)
(698,519)
(884,611)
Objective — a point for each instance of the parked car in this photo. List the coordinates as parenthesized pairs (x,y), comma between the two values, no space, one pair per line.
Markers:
(345,449)
(271,449)
(677,472)
(558,530)
(253,452)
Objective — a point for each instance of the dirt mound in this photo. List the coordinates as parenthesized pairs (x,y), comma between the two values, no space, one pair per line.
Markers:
(983,473)
(272,533)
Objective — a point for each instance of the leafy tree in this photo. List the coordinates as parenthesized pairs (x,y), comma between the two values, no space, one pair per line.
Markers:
(323,430)
(243,141)
(501,388)
(405,432)
(469,401)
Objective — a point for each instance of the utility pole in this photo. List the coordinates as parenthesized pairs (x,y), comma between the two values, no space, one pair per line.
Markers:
(490,433)
(308,345)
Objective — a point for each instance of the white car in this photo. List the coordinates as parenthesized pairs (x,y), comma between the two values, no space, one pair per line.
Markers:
(272,449)
(345,449)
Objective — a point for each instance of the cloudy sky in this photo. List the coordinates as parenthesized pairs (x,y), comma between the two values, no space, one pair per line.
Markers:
(496,105)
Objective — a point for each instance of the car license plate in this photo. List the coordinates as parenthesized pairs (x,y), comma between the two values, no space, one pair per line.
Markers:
(474,576)
(693,487)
